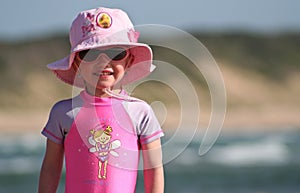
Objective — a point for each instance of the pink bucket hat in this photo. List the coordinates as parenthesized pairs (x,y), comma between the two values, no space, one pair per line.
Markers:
(103,27)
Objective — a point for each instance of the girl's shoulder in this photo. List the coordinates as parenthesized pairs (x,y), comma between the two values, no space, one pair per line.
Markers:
(67,105)
(137,105)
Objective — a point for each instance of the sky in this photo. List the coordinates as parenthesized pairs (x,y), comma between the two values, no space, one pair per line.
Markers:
(21,19)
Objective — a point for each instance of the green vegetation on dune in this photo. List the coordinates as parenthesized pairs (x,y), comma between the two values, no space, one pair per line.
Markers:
(275,56)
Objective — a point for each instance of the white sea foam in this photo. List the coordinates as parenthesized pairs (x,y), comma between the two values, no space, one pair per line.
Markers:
(20,165)
(15,143)
(32,142)
(189,157)
(20,154)
(269,151)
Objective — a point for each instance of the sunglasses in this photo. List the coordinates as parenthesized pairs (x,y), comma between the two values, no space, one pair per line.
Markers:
(115,54)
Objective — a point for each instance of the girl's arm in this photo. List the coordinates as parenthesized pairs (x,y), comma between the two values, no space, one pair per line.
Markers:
(153,168)
(51,168)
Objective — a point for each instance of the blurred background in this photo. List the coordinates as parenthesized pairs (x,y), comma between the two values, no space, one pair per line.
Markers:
(256,45)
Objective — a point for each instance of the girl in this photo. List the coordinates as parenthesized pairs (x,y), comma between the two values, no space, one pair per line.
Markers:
(100,131)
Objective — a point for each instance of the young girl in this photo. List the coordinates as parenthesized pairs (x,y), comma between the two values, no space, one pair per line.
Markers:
(100,131)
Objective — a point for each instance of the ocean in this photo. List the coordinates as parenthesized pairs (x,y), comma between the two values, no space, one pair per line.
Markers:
(240,163)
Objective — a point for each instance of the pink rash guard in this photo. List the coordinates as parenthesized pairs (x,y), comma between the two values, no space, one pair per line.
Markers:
(101,137)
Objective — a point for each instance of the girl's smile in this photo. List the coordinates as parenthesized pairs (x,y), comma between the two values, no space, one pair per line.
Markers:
(105,73)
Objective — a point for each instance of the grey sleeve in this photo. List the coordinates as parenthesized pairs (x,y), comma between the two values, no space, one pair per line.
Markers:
(146,124)
(59,122)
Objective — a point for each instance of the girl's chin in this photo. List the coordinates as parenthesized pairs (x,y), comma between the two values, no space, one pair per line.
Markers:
(101,85)
(99,88)
(104,86)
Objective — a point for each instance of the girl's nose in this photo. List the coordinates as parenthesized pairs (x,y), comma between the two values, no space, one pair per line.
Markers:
(103,57)
(103,61)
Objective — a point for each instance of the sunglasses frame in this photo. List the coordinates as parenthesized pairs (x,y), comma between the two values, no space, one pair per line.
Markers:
(106,52)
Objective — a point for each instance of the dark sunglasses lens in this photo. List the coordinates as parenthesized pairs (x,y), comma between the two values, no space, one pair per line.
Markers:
(89,55)
(116,53)
(82,54)
(113,53)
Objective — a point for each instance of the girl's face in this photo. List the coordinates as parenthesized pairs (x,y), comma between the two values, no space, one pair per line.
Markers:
(105,70)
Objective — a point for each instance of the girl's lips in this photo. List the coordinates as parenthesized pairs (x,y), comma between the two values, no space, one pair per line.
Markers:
(104,73)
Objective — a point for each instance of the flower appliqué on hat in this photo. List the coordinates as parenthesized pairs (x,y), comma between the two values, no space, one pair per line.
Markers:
(133,36)
(88,26)
(104,20)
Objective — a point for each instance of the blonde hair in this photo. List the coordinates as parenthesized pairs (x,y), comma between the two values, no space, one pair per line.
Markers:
(98,133)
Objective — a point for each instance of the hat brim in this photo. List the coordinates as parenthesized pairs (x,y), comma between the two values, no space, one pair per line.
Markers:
(140,67)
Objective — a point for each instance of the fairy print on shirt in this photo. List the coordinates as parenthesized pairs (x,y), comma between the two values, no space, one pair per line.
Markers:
(103,147)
